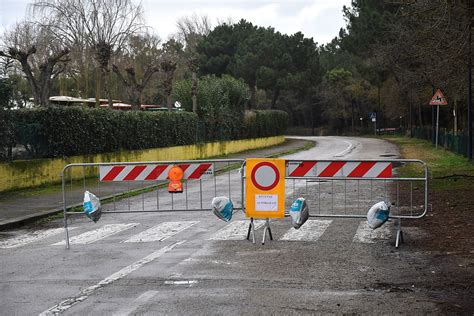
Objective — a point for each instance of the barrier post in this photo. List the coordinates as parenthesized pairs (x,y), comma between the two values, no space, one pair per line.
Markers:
(63,184)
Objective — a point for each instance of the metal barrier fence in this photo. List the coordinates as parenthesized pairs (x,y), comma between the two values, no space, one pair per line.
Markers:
(348,188)
(133,187)
(332,188)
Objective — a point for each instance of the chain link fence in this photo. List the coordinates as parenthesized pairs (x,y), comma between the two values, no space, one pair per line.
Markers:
(456,143)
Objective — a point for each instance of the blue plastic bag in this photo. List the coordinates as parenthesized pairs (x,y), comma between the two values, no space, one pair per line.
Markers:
(299,212)
(378,215)
(91,206)
(222,208)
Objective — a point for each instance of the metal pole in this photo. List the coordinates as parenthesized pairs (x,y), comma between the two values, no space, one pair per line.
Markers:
(242,188)
(433,124)
(469,95)
(63,183)
(437,124)
(433,127)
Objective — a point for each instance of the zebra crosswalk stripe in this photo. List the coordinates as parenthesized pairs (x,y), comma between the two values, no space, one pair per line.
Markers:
(97,234)
(236,230)
(367,235)
(161,231)
(310,231)
(30,237)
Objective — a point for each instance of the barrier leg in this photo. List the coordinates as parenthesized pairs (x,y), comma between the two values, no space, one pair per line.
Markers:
(251,230)
(67,238)
(66,231)
(267,228)
(399,233)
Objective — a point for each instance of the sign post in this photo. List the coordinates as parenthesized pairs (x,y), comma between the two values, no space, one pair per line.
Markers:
(373,117)
(438,99)
(264,191)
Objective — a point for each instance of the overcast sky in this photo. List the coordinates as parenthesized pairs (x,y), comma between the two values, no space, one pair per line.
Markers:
(319,19)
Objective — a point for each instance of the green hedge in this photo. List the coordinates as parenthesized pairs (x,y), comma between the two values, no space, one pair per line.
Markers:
(7,134)
(264,123)
(69,131)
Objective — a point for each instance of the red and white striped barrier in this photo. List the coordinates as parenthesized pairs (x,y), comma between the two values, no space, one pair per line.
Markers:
(153,172)
(342,169)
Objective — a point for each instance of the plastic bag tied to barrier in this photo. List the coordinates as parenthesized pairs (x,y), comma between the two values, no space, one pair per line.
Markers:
(222,207)
(91,206)
(299,212)
(378,214)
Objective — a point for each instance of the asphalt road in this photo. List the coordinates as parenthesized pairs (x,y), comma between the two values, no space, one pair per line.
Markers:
(192,263)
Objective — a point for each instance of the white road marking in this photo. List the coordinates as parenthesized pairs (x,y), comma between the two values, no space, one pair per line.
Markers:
(85,293)
(367,235)
(31,237)
(131,308)
(206,261)
(97,234)
(190,282)
(235,231)
(345,151)
(310,231)
(161,231)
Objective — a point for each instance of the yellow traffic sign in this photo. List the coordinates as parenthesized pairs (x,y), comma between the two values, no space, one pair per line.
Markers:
(265,188)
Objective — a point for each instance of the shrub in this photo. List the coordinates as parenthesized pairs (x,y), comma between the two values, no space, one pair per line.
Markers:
(264,123)
(7,134)
(221,104)
(68,131)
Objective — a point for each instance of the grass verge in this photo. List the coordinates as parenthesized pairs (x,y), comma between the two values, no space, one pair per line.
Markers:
(448,171)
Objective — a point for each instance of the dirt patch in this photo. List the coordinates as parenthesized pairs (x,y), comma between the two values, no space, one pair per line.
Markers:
(450,245)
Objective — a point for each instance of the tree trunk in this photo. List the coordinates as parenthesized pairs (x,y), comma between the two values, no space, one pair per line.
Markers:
(455,114)
(276,93)
(420,115)
(98,87)
(169,102)
(352,108)
(194,92)
(135,101)
(108,92)
(253,97)
(410,122)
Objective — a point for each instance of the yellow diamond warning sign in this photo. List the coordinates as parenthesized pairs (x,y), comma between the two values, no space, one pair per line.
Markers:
(265,188)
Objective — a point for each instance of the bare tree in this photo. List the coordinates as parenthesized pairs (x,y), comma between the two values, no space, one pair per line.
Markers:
(6,65)
(105,25)
(169,67)
(172,58)
(40,54)
(191,31)
(140,61)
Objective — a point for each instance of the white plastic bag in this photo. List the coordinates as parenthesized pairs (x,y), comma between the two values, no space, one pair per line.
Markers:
(299,212)
(378,214)
(222,207)
(92,206)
